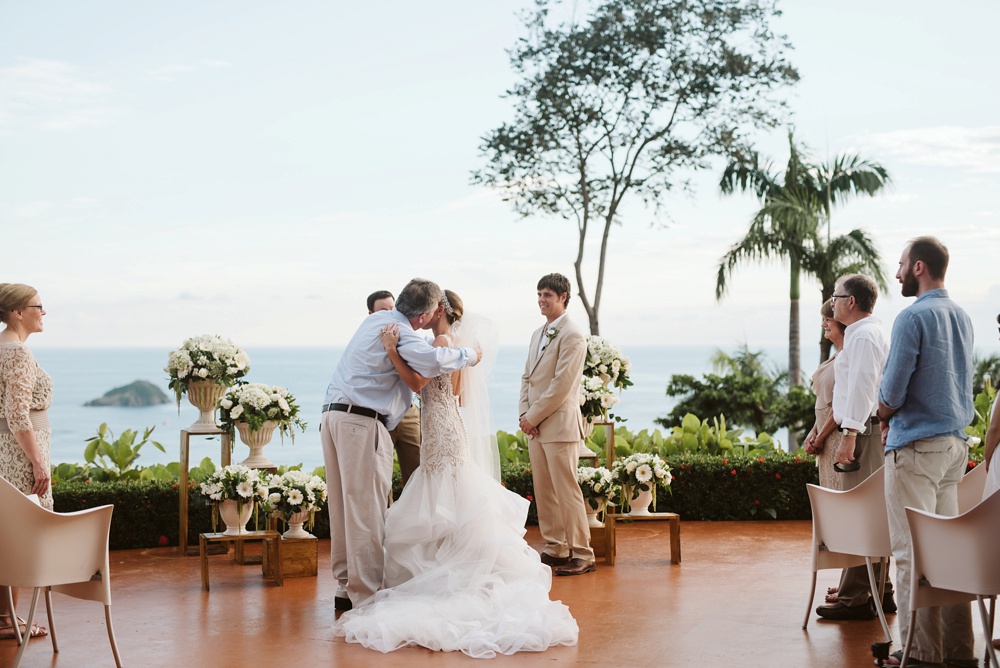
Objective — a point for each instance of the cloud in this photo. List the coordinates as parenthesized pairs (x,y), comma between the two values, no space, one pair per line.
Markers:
(52,95)
(175,71)
(973,149)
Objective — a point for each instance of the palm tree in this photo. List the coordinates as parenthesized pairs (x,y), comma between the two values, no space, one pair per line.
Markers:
(795,206)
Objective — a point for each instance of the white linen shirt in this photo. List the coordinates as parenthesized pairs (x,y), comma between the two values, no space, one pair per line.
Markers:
(857,371)
(544,340)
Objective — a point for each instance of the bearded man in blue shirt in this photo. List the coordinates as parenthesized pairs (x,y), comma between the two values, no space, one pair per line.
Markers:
(925,403)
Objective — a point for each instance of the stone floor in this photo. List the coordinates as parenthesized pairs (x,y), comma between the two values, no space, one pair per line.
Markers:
(737,600)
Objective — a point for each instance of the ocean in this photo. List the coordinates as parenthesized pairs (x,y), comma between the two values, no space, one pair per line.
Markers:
(81,374)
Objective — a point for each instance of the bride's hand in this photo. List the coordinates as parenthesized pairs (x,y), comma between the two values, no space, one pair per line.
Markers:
(390,336)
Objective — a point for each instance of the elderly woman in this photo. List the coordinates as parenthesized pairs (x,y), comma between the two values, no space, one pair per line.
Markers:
(25,395)
(824,438)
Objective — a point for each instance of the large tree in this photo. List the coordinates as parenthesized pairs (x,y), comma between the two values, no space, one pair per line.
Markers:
(795,207)
(617,107)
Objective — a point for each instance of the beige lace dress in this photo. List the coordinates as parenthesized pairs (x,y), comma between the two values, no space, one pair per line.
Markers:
(823,387)
(25,391)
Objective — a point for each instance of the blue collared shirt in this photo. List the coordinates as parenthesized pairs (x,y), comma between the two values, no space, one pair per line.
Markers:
(366,377)
(928,376)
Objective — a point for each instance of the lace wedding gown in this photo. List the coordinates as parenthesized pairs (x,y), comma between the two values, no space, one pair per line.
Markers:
(458,573)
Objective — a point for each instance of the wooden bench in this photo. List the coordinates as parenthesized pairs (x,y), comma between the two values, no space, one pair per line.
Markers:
(272,544)
(612,519)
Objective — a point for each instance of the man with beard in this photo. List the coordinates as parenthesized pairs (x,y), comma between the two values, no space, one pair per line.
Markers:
(925,403)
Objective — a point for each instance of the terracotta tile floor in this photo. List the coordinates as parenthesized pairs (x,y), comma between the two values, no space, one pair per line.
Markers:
(737,600)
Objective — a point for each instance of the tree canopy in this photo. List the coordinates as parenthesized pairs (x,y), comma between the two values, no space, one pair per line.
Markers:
(618,106)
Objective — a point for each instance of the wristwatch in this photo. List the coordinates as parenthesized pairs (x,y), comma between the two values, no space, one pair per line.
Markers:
(849,432)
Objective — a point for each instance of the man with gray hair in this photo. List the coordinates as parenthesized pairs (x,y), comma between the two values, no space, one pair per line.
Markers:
(364,400)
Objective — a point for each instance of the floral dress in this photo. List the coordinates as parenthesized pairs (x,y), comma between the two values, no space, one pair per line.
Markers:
(24,387)
(823,387)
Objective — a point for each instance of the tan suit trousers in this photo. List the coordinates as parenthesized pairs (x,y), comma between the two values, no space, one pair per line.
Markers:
(358,456)
(562,518)
(406,440)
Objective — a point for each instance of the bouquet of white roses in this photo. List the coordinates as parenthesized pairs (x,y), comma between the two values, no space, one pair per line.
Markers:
(206,358)
(597,484)
(237,483)
(257,403)
(296,492)
(605,369)
(641,471)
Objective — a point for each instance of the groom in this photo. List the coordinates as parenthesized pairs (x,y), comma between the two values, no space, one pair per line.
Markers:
(364,400)
(550,416)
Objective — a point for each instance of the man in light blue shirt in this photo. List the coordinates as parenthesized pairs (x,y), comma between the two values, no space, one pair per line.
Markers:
(366,398)
(925,403)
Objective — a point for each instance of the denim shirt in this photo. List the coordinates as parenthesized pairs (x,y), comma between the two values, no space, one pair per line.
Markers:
(366,377)
(928,375)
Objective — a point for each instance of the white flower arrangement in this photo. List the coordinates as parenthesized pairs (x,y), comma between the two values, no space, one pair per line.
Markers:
(296,492)
(597,484)
(604,370)
(206,357)
(641,471)
(257,403)
(237,483)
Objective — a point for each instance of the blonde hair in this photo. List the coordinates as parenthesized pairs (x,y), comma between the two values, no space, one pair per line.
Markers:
(14,297)
(454,308)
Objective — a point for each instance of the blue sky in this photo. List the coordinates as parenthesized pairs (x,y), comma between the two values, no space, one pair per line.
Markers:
(256,169)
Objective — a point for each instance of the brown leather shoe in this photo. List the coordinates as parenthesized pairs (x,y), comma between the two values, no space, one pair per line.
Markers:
(576,567)
(549,560)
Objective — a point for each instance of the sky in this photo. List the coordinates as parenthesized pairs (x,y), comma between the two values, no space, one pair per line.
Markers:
(255,169)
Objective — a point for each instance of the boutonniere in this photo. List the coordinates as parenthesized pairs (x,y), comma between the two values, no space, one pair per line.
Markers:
(551,333)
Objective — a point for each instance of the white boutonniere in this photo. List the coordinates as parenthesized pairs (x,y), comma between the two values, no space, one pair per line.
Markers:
(551,333)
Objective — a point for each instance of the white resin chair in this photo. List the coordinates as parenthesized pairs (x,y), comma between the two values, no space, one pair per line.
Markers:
(955,560)
(851,528)
(970,489)
(61,552)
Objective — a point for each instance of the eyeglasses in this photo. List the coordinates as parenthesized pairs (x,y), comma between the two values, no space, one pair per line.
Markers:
(37,306)
(839,296)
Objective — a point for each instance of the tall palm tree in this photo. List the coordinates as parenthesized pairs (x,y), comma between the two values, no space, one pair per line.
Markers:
(795,205)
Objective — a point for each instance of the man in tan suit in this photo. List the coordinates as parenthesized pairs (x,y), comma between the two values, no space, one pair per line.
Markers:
(406,436)
(550,416)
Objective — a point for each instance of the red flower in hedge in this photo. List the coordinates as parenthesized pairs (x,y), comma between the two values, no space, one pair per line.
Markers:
(163,541)
(778,476)
(733,472)
(756,502)
(529,497)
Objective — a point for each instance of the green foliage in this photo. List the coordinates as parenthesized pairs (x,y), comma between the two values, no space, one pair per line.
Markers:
(986,371)
(115,457)
(513,447)
(981,422)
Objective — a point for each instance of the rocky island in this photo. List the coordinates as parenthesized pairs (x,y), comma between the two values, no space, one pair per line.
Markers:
(138,393)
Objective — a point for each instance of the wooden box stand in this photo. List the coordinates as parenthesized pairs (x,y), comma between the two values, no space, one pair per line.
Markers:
(298,558)
(597,541)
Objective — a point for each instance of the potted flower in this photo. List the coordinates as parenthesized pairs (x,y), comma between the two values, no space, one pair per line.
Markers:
(203,368)
(256,410)
(599,490)
(604,370)
(295,497)
(639,474)
(233,491)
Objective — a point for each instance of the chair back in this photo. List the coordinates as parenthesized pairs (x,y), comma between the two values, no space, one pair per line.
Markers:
(68,551)
(850,525)
(955,554)
(970,488)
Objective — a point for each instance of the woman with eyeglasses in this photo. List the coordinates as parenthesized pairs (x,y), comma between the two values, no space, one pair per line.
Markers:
(25,396)
(824,438)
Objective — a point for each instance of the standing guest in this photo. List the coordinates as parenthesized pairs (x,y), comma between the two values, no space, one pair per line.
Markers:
(365,398)
(550,416)
(824,438)
(857,371)
(992,468)
(25,396)
(406,436)
(925,403)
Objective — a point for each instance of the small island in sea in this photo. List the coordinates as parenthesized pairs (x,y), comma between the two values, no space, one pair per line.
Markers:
(138,393)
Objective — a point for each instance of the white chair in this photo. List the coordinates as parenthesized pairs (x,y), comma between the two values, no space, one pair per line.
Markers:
(970,489)
(851,528)
(61,552)
(954,561)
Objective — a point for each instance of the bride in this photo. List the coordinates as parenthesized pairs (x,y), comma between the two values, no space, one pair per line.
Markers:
(458,573)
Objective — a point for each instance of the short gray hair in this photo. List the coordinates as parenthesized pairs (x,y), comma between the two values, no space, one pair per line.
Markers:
(418,297)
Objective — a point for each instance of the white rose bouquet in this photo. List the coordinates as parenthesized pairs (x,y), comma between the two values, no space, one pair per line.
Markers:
(604,370)
(296,492)
(206,357)
(641,471)
(597,484)
(257,403)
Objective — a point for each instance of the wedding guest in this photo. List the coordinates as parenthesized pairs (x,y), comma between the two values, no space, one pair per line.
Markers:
(550,416)
(824,438)
(25,396)
(406,436)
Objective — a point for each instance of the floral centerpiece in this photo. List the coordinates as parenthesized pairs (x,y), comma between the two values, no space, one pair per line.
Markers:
(605,370)
(640,473)
(205,357)
(234,485)
(258,403)
(295,497)
(598,487)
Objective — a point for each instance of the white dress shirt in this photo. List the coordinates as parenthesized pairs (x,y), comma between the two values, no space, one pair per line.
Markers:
(544,340)
(857,373)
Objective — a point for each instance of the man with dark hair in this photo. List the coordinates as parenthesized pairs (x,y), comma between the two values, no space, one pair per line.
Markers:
(365,398)
(925,403)
(406,436)
(550,416)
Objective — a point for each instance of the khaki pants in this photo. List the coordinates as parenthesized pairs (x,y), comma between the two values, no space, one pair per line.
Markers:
(406,440)
(562,518)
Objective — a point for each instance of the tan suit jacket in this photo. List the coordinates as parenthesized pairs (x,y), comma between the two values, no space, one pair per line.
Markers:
(550,386)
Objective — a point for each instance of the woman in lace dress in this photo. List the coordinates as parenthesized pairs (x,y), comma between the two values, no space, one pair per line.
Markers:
(25,395)
(824,438)
(458,573)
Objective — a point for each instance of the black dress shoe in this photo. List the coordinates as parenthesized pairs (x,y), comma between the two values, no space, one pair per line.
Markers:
(576,567)
(888,603)
(549,560)
(342,603)
(840,611)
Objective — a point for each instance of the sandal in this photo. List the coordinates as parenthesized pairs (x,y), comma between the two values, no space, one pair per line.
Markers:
(7,632)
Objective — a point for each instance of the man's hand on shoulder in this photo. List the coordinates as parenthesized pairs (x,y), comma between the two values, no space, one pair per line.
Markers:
(479,355)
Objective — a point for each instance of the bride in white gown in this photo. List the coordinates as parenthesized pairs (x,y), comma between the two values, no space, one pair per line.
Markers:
(458,573)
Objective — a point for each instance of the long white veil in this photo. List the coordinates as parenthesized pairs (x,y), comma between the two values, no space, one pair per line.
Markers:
(471,331)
